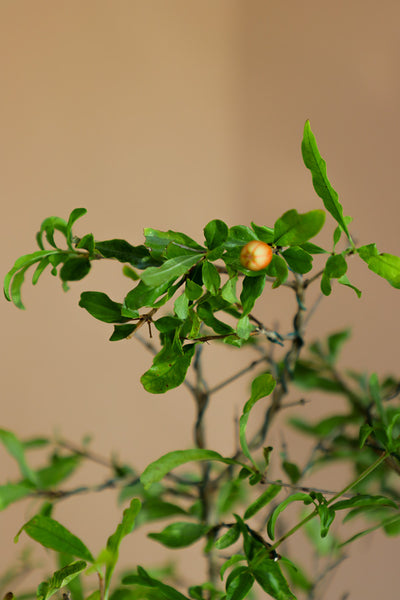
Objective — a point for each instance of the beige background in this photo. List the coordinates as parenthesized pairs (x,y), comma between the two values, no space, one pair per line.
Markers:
(168,114)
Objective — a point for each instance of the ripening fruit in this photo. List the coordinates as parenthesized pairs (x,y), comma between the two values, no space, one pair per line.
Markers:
(256,255)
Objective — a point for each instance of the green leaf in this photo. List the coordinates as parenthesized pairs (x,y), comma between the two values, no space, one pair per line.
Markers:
(235,558)
(59,469)
(193,290)
(137,256)
(335,267)
(313,248)
(375,391)
(277,268)
(180,534)
(345,281)
(298,259)
(228,290)
(75,268)
(87,243)
(265,498)
(365,432)
(156,470)
(51,534)
(215,233)
(252,289)
(363,501)
(297,497)
(239,235)
(181,306)
(338,231)
(335,343)
(240,586)
(229,538)
(123,529)
(16,449)
(384,265)
(313,161)
(292,470)
(143,578)
(293,228)
(121,332)
(12,492)
(23,262)
(170,270)
(157,241)
(39,269)
(155,508)
(265,234)
(244,327)
(101,307)
(261,386)
(168,370)
(211,277)
(76,214)
(143,295)
(49,226)
(269,576)
(60,579)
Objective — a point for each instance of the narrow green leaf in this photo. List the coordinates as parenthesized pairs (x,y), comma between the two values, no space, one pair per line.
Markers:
(16,449)
(101,307)
(76,214)
(297,497)
(60,579)
(51,534)
(344,280)
(261,386)
(113,543)
(363,501)
(293,228)
(365,432)
(143,578)
(375,391)
(156,470)
(121,332)
(180,534)
(23,262)
(39,269)
(266,497)
(229,538)
(170,270)
(87,243)
(235,558)
(49,226)
(313,161)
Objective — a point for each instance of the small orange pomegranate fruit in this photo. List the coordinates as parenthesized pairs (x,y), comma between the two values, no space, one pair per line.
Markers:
(256,255)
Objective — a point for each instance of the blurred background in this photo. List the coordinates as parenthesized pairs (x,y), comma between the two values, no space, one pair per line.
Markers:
(170,114)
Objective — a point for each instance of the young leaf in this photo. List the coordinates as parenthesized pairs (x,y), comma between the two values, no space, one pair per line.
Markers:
(235,558)
(363,501)
(76,214)
(298,496)
(335,268)
(60,579)
(384,265)
(261,386)
(266,497)
(39,269)
(114,541)
(23,262)
(51,534)
(277,268)
(215,233)
(156,470)
(16,449)
(344,280)
(180,534)
(170,270)
(101,307)
(313,161)
(293,228)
